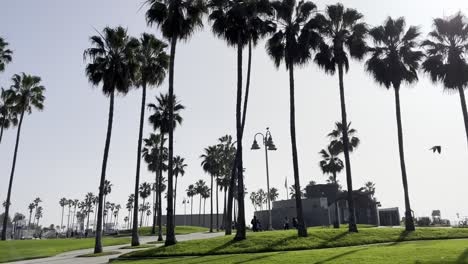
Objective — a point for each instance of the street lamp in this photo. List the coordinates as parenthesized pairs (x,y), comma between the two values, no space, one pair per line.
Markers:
(268,144)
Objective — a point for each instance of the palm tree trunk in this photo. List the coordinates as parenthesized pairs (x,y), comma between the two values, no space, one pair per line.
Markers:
(240,232)
(224,210)
(204,207)
(29,222)
(465,113)
(211,206)
(199,212)
(135,239)
(1,131)
(155,205)
(175,196)
(230,201)
(61,221)
(159,188)
(98,244)
(191,210)
(301,228)
(336,224)
(142,213)
(409,222)
(7,207)
(170,234)
(217,206)
(68,219)
(349,179)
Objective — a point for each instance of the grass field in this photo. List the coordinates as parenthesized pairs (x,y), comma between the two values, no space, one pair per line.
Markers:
(421,252)
(288,240)
(30,249)
(179,230)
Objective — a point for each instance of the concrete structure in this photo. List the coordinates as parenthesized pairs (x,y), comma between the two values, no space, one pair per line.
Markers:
(389,216)
(319,208)
(195,220)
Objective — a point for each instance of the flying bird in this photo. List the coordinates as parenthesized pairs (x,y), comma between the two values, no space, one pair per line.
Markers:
(436,148)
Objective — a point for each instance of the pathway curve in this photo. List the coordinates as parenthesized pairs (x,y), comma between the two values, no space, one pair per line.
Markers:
(70,257)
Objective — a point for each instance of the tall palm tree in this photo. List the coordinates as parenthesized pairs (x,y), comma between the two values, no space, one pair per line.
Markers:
(31,207)
(107,190)
(343,35)
(145,192)
(75,204)
(179,169)
(70,205)
(332,164)
(292,43)
(446,62)
(8,117)
(153,62)
(210,165)
(190,193)
(151,155)
(129,207)
(63,202)
(205,194)
(274,194)
(199,189)
(39,214)
(228,163)
(240,23)
(27,94)
(395,61)
(5,54)
(160,119)
(113,64)
(177,19)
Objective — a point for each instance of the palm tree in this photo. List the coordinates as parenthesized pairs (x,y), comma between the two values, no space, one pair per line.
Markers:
(27,94)
(70,205)
(394,61)
(446,61)
(160,119)
(8,117)
(190,193)
(39,214)
(210,165)
(292,43)
(5,54)
(228,167)
(199,189)
(145,192)
(240,23)
(151,155)
(107,190)
(337,138)
(205,194)
(31,207)
(129,207)
(179,169)
(343,35)
(274,194)
(75,204)
(112,64)
(63,202)
(177,20)
(153,62)
(116,215)
(332,164)
(87,207)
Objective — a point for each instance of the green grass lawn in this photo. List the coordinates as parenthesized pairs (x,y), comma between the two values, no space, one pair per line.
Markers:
(288,240)
(30,249)
(179,230)
(421,252)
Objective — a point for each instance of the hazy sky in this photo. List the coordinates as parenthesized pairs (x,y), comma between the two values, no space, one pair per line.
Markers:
(61,148)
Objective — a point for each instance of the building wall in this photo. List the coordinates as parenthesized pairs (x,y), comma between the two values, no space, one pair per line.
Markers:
(195,220)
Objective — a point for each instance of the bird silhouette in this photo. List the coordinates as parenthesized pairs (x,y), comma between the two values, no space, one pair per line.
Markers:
(436,148)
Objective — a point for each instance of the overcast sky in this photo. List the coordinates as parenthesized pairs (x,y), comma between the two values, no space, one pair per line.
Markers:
(61,148)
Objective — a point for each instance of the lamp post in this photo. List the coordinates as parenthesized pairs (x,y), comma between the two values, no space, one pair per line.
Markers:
(268,144)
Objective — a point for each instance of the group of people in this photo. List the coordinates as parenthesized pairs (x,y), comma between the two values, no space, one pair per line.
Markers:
(257,226)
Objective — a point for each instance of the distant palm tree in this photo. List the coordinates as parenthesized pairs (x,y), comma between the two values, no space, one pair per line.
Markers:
(177,20)
(205,194)
(274,194)
(199,189)
(240,23)
(39,214)
(446,61)
(70,205)
(160,119)
(343,35)
(26,94)
(129,207)
(394,61)
(210,165)
(31,207)
(145,192)
(292,43)
(190,193)
(228,182)
(337,138)
(332,164)
(112,64)
(5,54)
(8,117)
(63,202)
(179,169)
(153,62)
(107,190)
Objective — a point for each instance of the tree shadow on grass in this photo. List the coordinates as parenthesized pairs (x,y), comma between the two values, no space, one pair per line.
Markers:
(221,247)
(463,258)
(403,235)
(347,253)
(326,243)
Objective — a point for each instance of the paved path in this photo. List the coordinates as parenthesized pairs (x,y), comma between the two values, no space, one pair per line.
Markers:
(70,257)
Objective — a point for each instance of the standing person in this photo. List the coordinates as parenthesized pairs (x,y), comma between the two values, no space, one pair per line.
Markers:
(286,223)
(254,223)
(294,222)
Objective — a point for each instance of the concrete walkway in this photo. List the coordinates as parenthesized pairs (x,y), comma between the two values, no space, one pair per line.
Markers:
(70,257)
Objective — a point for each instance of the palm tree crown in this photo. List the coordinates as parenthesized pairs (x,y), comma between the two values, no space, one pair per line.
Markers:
(160,118)
(394,58)
(5,54)
(337,143)
(330,163)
